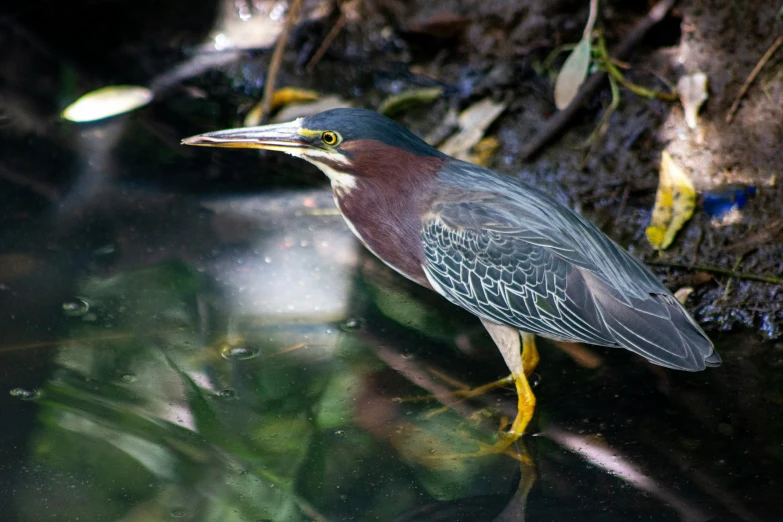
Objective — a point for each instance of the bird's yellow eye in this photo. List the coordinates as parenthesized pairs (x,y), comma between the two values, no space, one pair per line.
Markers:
(330,138)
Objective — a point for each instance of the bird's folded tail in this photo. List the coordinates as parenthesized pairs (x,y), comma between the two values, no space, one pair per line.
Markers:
(657,328)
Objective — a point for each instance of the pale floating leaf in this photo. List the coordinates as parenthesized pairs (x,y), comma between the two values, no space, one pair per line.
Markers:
(107,102)
(280,98)
(683,293)
(473,123)
(674,204)
(301,110)
(405,100)
(693,93)
(572,75)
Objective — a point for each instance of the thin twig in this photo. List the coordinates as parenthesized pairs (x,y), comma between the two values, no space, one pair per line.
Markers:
(719,270)
(277,58)
(615,73)
(338,26)
(558,122)
(731,279)
(696,246)
(755,72)
(623,202)
(600,131)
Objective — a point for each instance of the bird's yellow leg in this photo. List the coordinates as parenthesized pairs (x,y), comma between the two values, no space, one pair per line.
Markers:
(530,356)
(508,342)
(530,360)
(526,401)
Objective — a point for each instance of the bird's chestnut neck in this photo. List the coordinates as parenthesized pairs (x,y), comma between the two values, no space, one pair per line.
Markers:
(378,162)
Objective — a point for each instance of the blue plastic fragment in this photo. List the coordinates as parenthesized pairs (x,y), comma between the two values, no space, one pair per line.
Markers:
(722,200)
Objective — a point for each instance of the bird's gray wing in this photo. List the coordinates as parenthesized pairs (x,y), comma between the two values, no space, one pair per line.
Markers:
(497,260)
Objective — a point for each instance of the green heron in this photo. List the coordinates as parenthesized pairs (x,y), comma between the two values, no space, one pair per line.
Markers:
(523,263)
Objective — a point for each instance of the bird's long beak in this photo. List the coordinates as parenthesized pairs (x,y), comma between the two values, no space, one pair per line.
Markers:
(284,137)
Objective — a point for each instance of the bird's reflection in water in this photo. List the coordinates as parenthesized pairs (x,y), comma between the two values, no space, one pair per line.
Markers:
(508,507)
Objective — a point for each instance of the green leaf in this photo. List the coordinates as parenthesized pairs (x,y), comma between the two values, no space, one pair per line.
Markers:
(572,75)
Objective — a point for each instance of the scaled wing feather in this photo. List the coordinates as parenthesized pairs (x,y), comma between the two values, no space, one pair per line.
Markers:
(521,259)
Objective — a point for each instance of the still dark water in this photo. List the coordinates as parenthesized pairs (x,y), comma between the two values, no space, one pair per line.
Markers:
(195,335)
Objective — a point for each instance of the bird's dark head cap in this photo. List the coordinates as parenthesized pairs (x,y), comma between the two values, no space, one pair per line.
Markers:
(362,124)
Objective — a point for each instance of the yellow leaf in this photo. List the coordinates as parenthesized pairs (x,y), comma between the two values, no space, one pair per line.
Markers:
(674,204)
(288,95)
(407,99)
(280,98)
(106,102)
(483,151)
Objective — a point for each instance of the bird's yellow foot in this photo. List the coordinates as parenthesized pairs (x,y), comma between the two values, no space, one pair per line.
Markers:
(500,447)
(465,393)
(457,396)
(529,359)
(526,403)
(462,392)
